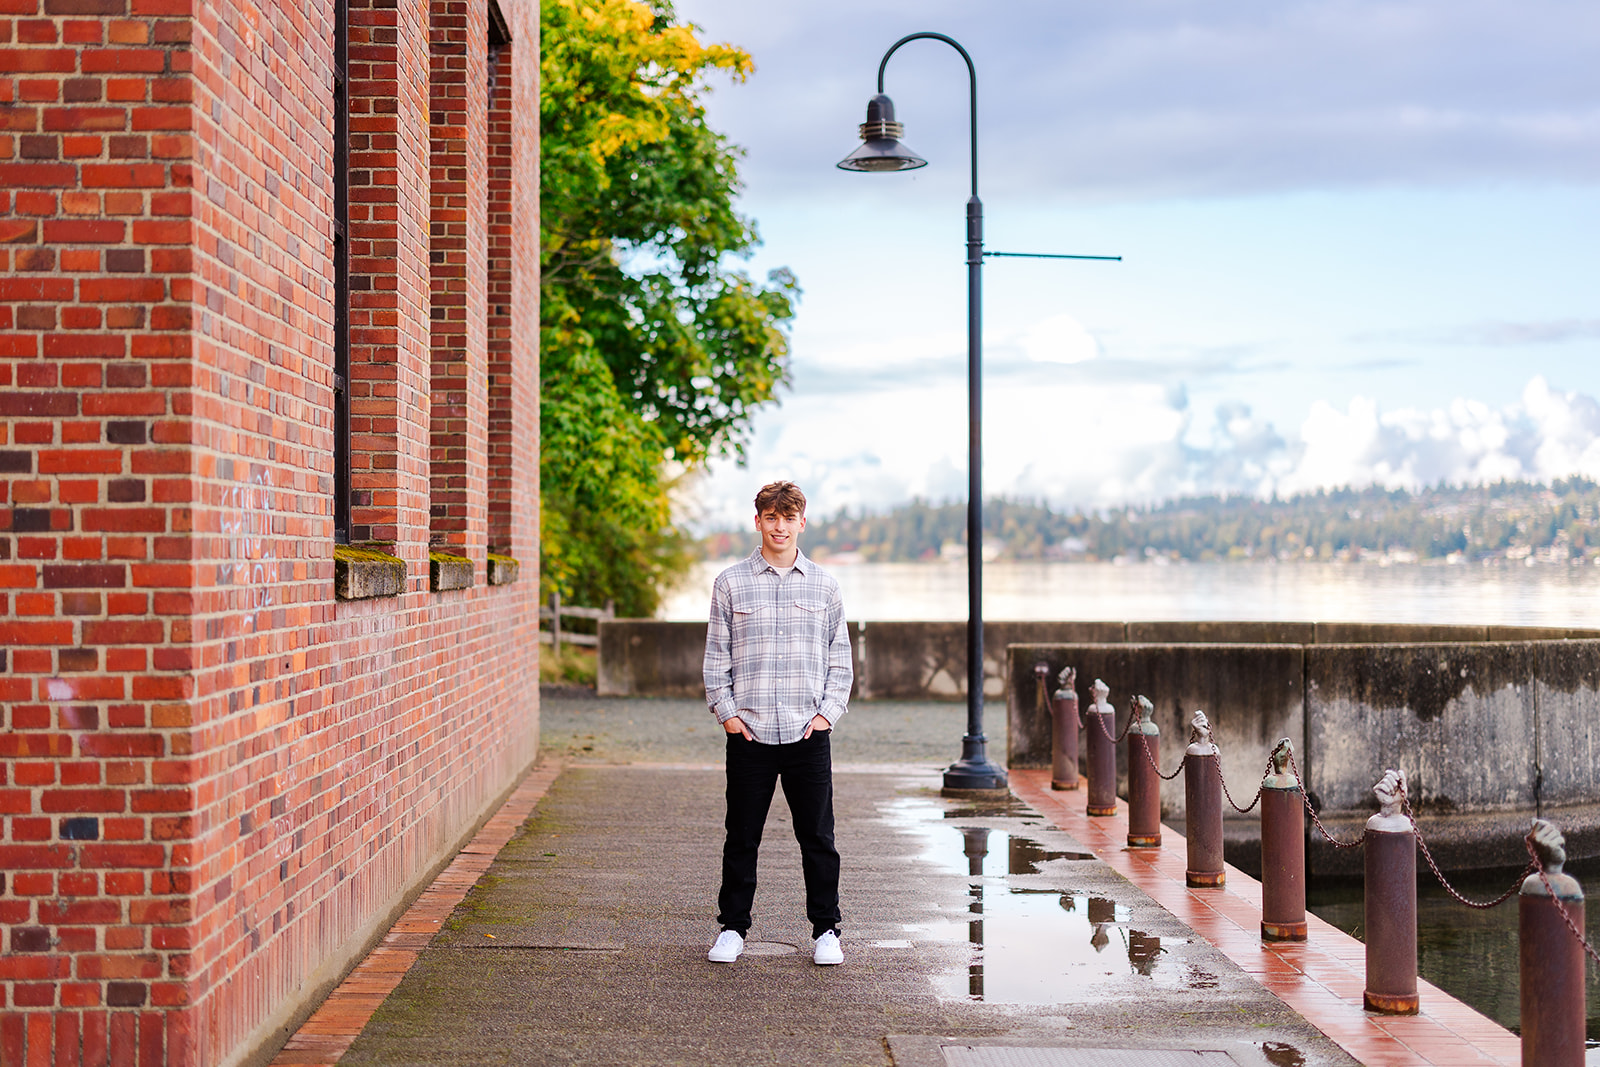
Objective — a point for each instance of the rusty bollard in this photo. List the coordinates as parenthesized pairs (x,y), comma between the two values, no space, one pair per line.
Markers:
(1064,733)
(1101,725)
(1552,961)
(1283,851)
(1390,845)
(1144,779)
(1202,794)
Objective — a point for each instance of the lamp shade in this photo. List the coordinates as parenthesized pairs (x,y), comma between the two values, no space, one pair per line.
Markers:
(881,148)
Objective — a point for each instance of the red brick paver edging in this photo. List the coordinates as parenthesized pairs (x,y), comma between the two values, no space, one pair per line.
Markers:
(330,1032)
(1322,978)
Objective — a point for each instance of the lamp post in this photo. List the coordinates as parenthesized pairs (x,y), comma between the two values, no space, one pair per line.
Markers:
(881,150)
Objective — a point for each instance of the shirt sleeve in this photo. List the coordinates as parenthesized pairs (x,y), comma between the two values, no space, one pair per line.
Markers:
(841,670)
(718,667)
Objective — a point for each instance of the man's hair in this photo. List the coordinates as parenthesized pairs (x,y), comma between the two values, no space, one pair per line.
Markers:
(783,497)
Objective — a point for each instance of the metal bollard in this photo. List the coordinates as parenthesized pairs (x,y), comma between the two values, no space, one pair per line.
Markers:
(1202,793)
(1390,845)
(1102,752)
(1064,735)
(1144,780)
(1283,851)
(1552,963)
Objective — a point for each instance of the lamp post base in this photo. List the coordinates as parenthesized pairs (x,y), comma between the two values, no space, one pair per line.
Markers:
(973,771)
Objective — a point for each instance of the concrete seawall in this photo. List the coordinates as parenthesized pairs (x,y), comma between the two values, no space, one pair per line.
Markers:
(897,660)
(1491,724)
(1490,732)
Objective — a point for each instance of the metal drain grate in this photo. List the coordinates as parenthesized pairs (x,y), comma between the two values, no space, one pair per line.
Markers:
(1005,1056)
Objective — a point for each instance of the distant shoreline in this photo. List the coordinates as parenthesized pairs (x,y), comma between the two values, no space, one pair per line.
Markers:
(1495,592)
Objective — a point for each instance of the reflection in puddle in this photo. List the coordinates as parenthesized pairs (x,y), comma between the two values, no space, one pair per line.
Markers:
(1008,807)
(974,850)
(1030,945)
(1281,1055)
(1025,855)
(1046,947)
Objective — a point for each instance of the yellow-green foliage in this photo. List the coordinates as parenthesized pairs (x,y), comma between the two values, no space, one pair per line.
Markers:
(659,359)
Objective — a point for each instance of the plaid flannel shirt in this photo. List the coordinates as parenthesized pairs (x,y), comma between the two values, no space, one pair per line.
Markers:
(777,650)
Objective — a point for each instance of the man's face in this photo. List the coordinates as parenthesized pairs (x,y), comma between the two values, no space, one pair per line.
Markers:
(779,532)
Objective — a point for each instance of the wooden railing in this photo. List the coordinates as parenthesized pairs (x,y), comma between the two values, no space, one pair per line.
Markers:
(556,611)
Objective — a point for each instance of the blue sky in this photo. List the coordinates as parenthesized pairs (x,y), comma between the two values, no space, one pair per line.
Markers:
(1362,246)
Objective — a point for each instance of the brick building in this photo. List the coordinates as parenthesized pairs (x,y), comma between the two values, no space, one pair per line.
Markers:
(269,450)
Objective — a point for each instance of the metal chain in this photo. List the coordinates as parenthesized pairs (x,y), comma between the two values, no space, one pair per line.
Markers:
(1099,718)
(1306,799)
(1254,801)
(1175,771)
(1560,910)
(1405,805)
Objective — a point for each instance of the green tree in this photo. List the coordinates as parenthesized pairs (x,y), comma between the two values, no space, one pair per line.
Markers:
(654,352)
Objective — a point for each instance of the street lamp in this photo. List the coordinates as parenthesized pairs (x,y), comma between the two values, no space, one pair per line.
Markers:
(881,150)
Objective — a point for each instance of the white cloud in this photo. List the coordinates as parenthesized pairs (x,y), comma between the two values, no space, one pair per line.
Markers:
(1095,445)
(1060,339)
(1544,434)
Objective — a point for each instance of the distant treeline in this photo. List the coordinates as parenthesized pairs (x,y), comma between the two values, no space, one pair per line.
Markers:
(1514,521)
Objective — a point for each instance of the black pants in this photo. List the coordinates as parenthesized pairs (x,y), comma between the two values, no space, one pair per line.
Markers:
(806,768)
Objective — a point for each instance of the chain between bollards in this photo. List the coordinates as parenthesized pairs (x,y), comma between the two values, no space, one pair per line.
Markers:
(1533,866)
(1306,796)
(1123,736)
(1422,846)
(1175,771)
(1254,800)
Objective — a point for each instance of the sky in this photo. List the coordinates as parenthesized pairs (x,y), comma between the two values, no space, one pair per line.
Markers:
(1361,246)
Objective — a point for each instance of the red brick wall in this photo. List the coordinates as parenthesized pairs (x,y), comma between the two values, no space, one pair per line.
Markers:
(458,112)
(218,779)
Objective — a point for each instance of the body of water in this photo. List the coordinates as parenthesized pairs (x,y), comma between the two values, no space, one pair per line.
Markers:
(1471,954)
(1507,595)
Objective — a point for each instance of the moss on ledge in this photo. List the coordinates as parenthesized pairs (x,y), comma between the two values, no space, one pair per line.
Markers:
(361,572)
(502,569)
(447,571)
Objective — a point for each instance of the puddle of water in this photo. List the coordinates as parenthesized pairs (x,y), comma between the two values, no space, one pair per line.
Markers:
(1006,808)
(1048,947)
(1029,945)
(975,851)
(1280,1054)
(1024,855)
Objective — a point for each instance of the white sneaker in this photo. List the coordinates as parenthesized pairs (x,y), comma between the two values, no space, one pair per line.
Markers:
(726,950)
(828,950)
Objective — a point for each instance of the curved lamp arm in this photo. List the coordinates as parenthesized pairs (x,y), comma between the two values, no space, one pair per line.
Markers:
(972,73)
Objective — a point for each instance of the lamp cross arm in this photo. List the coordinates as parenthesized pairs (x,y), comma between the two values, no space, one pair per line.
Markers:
(1048,255)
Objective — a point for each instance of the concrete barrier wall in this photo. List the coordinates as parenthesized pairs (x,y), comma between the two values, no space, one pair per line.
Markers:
(928,660)
(1491,724)
(652,658)
(1252,694)
(1489,733)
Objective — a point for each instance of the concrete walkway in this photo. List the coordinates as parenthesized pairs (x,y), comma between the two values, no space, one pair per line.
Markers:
(971,932)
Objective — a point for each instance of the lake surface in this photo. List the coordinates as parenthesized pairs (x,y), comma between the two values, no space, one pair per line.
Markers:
(1471,954)
(1508,595)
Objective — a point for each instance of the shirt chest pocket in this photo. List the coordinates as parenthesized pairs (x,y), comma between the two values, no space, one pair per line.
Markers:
(752,617)
(807,618)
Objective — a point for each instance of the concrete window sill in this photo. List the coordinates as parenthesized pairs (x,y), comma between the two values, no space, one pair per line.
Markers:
(448,572)
(363,572)
(502,569)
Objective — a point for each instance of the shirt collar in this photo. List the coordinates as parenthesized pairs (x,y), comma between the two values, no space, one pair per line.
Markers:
(760,564)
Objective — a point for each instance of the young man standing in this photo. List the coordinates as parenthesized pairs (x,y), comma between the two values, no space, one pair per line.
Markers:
(778,677)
